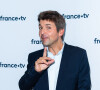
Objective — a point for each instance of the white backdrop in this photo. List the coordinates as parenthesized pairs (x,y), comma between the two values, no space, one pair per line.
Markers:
(19,26)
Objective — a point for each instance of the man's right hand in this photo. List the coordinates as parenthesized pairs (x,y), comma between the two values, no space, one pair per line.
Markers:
(43,62)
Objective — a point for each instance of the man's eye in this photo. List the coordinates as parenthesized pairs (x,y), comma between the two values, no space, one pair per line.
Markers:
(40,28)
(48,27)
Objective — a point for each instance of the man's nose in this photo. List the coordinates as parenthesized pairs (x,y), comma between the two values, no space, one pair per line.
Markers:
(43,31)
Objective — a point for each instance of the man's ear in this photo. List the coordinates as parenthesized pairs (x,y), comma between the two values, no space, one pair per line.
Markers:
(61,32)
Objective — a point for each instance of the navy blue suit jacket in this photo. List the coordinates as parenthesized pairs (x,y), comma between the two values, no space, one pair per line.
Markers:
(74,72)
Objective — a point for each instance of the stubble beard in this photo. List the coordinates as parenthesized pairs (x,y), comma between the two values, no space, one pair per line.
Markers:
(49,43)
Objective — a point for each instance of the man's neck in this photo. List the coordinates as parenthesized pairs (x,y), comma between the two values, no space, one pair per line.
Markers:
(55,48)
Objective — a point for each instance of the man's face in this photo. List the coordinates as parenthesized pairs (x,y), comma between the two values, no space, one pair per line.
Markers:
(48,32)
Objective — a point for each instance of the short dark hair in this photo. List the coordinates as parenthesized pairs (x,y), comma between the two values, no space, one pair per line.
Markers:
(55,17)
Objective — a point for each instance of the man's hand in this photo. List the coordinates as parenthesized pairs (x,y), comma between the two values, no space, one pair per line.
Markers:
(43,62)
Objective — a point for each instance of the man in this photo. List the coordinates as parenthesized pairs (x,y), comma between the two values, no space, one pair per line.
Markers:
(58,66)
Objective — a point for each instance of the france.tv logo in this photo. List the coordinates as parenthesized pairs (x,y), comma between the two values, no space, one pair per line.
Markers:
(5,65)
(76,16)
(21,18)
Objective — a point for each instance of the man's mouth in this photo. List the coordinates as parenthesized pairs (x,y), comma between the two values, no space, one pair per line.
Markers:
(44,37)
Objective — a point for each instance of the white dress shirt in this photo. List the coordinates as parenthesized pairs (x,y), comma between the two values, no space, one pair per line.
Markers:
(53,70)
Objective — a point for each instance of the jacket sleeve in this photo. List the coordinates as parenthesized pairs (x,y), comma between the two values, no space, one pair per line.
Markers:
(84,82)
(29,79)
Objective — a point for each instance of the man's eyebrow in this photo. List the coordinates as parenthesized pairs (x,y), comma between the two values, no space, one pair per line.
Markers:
(48,24)
(45,24)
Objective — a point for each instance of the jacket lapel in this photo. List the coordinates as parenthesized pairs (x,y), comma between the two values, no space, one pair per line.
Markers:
(62,70)
(42,84)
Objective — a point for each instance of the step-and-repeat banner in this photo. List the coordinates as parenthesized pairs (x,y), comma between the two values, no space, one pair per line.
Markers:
(19,34)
